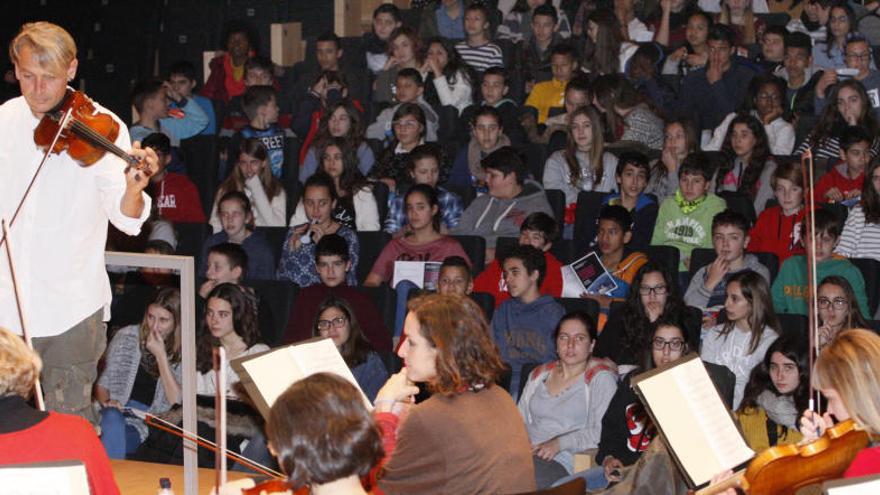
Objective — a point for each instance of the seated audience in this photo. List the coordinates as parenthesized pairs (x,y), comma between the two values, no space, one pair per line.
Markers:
(226,77)
(487,135)
(443,20)
(449,82)
(355,203)
(777,229)
(341,120)
(237,220)
(258,71)
(859,57)
(448,347)
(799,75)
(261,107)
(386,19)
(408,127)
(141,371)
(740,17)
(772,53)
(28,435)
(830,53)
(518,25)
(606,50)
(523,325)
(552,403)
(684,220)
(298,255)
(424,168)
(628,114)
(633,174)
(151,99)
(843,183)
(578,93)
(409,89)
(455,277)
(494,86)
(853,109)
(252,175)
(183,81)
(176,197)
(790,286)
(310,93)
(812,20)
(861,233)
(535,50)
(477,49)
(691,51)
(330,89)
(405,52)
(548,94)
(748,164)
(838,309)
(679,140)
(741,342)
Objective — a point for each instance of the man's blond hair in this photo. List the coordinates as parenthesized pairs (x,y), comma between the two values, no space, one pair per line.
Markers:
(52,46)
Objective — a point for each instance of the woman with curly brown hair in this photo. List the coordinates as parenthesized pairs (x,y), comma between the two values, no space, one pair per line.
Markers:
(468,437)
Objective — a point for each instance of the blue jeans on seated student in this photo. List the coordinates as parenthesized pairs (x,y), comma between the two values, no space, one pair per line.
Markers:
(118,437)
(595,478)
(403,288)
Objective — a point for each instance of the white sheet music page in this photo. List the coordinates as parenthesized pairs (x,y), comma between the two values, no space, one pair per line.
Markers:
(322,356)
(273,372)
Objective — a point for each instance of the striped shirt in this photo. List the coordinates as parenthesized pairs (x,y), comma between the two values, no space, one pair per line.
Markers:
(829,148)
(859,240)
(480,57)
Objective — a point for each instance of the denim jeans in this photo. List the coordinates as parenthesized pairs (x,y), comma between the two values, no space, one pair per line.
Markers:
(403,288)
(118,437)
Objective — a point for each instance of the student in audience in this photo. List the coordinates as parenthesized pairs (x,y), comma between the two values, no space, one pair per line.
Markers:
(523,325)
(853,108)
(258,71)
(333,263)
(748,165)
(680,139)
(404,52)
(231,322)
(730,237)
(838,308)
(227,264)
(424,242)
(741,342)
(861,233)
(772,51)
(183,81)
(487,135)
(355,204)
(227,69)
(477,49)
(141,371)
(151,99)
(538,230)
(830,53)
(843,183)
(583,165)
(627,112)
(535,49)
(653,296)
(330,88)
(455,277)
(606,50)
(450,82)
(335,319)
(410,88)
(386,19)
(314,89)
(341,120)
(553,400)
(672,27)
(777,392)
(252,176)
(424,168)
(133,290)
(800,76)
(548,94)
(701,97)
(443,19)
(298,255)
(790,286)
(510,198)
(857,56)
(578,93)
(177,198)
(691,52)
(29,435)
(847,374)
(684,220)
(494,87)
(261,108)
(739,16)
(448,347)
(409,127)
(632,27)
(310,452)
(813,19)
(777,229)
(765,102)
(519,24)
(632,175)
(237,219)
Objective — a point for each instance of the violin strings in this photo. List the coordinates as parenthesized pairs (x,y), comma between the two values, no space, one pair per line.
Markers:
(99,140)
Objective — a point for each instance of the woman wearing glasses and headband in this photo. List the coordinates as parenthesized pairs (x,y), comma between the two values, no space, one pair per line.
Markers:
(336,320)
(838,309)
(653,295)
(564,400)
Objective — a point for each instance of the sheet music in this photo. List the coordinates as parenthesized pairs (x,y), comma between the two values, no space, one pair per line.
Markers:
(322,356)
(62,478)
(414,271)
(272,373)
(864,485)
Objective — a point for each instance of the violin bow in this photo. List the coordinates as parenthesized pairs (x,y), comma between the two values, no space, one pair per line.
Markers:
(219,359)
(807,169)
(38,388)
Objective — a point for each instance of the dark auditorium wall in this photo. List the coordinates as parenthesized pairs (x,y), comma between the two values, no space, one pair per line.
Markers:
(121,41)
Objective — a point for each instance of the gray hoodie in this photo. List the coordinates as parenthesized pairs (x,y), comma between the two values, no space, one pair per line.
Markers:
(699,296)
(492,217)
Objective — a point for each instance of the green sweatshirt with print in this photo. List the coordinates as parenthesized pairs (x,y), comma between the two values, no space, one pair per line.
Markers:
(790,287)
(686,231)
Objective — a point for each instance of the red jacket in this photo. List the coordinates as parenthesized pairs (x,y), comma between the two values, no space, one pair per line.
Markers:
(775,233)
(178,199)
(216,87)
(837,177)
(490,280)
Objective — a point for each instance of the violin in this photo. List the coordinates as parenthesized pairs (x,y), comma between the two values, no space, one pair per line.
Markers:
(75,126)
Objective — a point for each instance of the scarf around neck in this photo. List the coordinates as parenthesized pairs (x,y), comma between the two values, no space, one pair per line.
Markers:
(688,207)
(475,155)
(779,408)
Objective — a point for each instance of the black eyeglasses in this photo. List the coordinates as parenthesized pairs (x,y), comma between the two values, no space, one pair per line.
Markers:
(337,322)
(674,344)
(657,289)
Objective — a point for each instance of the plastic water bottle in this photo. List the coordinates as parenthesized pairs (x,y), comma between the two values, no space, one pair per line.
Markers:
(165,487)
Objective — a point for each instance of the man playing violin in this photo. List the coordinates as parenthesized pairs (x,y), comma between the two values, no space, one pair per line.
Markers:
(58,236)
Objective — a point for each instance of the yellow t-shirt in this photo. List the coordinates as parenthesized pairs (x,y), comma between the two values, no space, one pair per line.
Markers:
(545,95)
(754,427)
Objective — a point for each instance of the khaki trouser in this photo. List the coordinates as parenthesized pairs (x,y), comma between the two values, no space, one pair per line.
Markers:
(70,362)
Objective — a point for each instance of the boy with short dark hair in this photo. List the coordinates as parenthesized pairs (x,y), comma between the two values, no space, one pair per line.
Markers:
(790,287)
(182,79)
(423,164)
(538,230)
(487,135)
(410,89)
(772,48)
(523,325)
(685,219)
(730,237)
(227,263)
(477,49)
(177,198)
(455,277)
(632,174)
(333,262)
(800,75)
(261,107)
(151,99)
(538,47)
(494,87)
(843,183)
(613,236)
(548,94)
(386,18)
